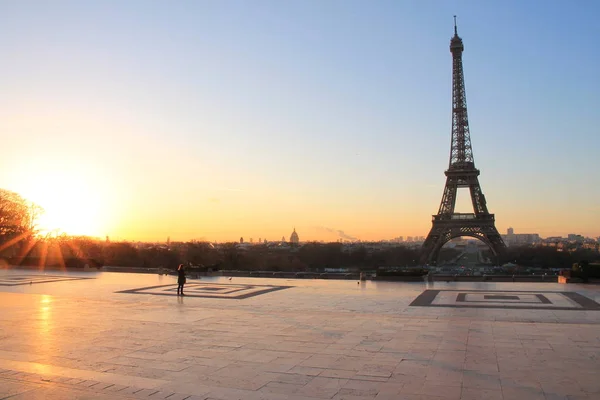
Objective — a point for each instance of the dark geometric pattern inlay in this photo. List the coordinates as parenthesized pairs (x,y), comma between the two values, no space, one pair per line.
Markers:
(18,280)
(500,297)
(208,290)
(506,299)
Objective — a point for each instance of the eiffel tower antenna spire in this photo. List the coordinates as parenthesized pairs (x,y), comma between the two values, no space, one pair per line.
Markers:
(455,32)
(461,173)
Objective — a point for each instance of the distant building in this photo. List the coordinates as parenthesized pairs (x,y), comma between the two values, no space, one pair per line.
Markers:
(294,239)
(516,239)
(241,240)
(574,237)
(590,245)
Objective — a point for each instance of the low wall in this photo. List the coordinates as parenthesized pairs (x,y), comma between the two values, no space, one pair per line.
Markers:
(400,278)
(326,275)
(136,270)
(496,278)
(290,275)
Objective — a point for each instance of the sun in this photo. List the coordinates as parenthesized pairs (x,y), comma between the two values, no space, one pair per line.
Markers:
(73,202)
(72,211)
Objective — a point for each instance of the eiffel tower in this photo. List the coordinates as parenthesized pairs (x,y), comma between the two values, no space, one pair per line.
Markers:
(461,173)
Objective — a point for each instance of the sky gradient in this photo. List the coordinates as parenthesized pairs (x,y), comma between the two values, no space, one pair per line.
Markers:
(219,119)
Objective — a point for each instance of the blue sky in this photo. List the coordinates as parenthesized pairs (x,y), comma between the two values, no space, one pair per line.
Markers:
(213,118)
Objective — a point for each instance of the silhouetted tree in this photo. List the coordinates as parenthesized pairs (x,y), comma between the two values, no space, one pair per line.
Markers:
(359,257)
(121,255)
(159,257)
(231,255)
(547,256)
(18,217)
(199,253)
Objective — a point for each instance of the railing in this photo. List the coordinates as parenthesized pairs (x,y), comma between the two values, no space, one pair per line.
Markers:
(462,217)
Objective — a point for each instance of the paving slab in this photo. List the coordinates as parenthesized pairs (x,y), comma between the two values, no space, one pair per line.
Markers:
(124,336)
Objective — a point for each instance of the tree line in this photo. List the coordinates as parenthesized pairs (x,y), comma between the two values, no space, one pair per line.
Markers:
(77,251)
(20,245)
(71,251)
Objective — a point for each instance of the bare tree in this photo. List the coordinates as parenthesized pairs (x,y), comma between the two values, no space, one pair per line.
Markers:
(18,218)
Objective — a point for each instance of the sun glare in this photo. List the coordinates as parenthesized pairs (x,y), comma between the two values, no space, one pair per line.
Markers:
(71,205)
(73,213)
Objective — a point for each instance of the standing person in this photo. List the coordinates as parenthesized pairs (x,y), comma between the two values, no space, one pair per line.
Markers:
(180,279)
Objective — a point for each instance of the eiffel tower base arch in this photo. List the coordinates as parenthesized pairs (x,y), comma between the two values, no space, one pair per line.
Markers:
(444,230)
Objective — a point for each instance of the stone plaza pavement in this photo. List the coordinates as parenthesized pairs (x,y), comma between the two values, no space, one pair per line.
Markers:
(128,336)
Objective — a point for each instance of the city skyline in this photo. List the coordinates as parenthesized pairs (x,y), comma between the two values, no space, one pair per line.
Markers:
(344,237)
(206,119)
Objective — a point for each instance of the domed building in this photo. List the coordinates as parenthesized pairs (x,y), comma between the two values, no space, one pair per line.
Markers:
(294,239)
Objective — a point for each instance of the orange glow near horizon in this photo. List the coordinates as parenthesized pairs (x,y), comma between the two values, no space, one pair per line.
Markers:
(142,202)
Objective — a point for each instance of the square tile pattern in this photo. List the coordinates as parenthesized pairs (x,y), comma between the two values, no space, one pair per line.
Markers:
(209,290)
(17,280)
(505,299)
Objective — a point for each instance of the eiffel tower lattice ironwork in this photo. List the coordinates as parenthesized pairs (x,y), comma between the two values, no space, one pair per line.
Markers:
(461,173)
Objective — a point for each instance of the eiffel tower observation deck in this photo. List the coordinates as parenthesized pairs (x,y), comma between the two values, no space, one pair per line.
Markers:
(461,173)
